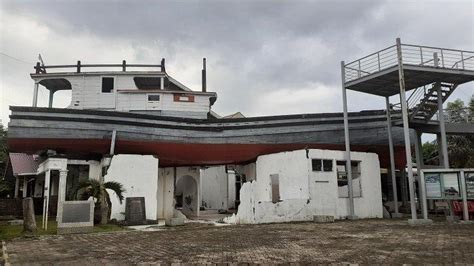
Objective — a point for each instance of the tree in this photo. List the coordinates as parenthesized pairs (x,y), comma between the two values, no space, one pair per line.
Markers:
(430,153)
(461,147)
(98,190)
(6,184)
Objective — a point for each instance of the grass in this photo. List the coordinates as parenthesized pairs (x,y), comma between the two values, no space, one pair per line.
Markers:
(8,232)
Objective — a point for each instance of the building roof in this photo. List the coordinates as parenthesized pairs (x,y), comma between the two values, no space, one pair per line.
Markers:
(235,115)
(23,164)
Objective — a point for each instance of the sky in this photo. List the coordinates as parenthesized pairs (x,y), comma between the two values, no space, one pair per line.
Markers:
(263,57)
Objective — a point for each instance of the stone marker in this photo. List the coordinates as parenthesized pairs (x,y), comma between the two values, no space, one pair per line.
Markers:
(135,211)
(29,222)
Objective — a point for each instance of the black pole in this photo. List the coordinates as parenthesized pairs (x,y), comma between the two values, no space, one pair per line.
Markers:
(204,85)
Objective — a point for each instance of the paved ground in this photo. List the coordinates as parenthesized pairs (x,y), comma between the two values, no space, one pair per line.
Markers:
(364,241)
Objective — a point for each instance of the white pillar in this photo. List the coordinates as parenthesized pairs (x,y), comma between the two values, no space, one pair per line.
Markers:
(465,210)
(419,167)
(25,187)
(348,145)
(35,94)
(162,83)
(51,96)
(61,191)
(47,176)
(442,129)
(165,206)
(17,186)
(424,206)
(406,130)
(392,158)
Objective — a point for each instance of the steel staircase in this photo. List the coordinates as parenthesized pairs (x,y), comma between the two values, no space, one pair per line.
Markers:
(423,104)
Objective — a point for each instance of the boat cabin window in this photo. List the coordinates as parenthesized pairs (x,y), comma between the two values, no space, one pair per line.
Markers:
(107,85)
(148,83)
(153,97)
(319,165)
(342,180)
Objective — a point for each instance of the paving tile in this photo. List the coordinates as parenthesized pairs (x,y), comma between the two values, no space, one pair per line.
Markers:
(362,241)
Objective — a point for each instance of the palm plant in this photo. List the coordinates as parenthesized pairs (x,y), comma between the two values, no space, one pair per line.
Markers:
(98,190)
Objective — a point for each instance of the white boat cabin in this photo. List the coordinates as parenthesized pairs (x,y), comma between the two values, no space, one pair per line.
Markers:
(149,92)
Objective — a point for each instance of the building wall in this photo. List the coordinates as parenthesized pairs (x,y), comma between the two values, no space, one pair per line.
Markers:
(139,176)
(215,188)
(304,193)
(188,184)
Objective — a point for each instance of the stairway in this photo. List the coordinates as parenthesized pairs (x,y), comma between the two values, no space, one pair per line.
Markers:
(427,106)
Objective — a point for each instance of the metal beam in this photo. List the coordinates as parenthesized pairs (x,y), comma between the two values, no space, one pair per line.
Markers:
(348,145)
(465,210)
(392,157)
(406,131)
(442,128)
(51,96)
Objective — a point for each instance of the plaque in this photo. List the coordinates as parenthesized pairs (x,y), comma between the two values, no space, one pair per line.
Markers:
(433,185)
(135,210)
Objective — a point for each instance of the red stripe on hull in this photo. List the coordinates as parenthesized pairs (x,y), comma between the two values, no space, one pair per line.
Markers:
(186,154)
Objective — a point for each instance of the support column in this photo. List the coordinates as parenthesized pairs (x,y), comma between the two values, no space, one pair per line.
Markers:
(35,94)
(47,176)
(162,83)
(165,197)
(25,187)
(442,129)
(464,196)
(406,130)
(392,159)
(348,145)
(61,191)
(404,187)
(421,178)
(51,96)
(424,208)
(17,186)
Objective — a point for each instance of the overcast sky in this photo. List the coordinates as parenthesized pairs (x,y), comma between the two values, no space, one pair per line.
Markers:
(265,58)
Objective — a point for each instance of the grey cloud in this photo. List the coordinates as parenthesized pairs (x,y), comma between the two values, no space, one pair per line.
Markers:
(255,48)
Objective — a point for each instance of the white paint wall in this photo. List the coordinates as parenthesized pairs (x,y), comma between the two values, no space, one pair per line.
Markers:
(139,176)
(215,188)
(87,94)
(188,183)
(165,208)
(305,193)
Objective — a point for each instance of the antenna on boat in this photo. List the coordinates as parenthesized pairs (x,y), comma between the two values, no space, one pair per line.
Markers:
(204,85)
(41,60)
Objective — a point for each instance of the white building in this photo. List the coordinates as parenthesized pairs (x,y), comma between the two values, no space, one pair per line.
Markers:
(298,185)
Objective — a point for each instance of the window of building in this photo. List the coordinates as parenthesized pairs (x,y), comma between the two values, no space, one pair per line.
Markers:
(153,97)
(275,185)
(319,165)
(342,182)
(107,84)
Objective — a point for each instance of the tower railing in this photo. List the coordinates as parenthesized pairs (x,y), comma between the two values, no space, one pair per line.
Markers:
(411,55)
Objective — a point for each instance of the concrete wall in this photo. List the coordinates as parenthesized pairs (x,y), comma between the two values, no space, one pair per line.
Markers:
(166,188)
(215,188)
(139,176)
(304,193)
(188,184)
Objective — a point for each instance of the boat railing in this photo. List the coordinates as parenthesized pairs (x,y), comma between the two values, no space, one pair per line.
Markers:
(411,55)
(42,69)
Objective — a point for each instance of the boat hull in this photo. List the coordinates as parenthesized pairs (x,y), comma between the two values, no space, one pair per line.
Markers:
(180,142)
